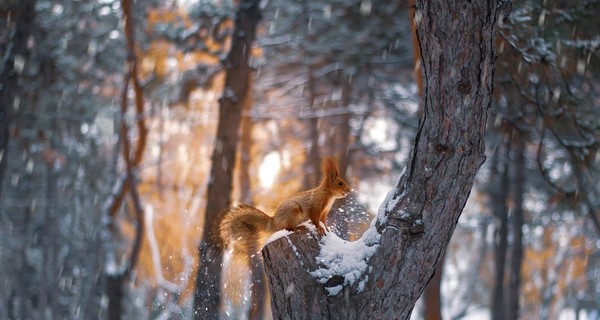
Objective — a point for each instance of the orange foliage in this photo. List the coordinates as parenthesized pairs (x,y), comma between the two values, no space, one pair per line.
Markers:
(551,269)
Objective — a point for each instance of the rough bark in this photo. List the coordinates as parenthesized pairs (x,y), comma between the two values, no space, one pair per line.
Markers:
(207,293)
(432,303)
(18,50)
(518,189)
(500,210)
(258,289)
(457,47)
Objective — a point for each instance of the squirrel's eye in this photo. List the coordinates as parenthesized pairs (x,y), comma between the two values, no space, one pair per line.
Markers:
(340,183)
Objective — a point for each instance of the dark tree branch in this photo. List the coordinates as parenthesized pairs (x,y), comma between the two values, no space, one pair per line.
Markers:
(132,157)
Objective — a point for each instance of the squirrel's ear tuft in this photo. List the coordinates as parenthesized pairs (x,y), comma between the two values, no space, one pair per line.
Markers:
(329,167)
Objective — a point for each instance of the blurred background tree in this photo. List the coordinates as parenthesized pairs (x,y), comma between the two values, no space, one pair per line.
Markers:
(330,78)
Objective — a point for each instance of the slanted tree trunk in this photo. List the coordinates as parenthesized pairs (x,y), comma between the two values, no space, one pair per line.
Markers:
(432,303)
(516,257)
(207,293)
(16,50)
(421,212)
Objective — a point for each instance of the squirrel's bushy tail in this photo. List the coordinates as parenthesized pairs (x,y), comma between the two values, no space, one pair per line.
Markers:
(242,228)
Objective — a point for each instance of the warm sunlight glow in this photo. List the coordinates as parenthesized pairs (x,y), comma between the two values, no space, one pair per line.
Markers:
(268,169)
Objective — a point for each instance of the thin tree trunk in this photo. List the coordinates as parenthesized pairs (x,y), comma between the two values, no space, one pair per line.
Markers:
(416,48)
(514,279)
(208,279)
(10,79)
(499,197)
(432,295)
(24,271)
(415,223)
(343,133)
(115,283)
(312,172)
(341,144)
(474,272)
(246,147)
(49,281)
(257,273)
(132,157)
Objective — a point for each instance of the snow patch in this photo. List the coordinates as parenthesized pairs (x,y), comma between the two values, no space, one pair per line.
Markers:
(346,259)
(277,235)
(295,251)
(334,290)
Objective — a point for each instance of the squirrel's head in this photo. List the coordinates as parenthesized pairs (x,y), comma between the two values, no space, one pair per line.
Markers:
(334,182)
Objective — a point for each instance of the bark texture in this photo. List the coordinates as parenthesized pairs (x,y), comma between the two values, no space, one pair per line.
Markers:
(457,46)
(207,293)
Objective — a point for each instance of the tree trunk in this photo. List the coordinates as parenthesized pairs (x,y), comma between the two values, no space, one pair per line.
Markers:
(16,49)
(500,210)
(340,143)
(415,223)
(432,304)
(258,289)
(433,299)
(207,293)
(312,165)
(114,292)
(416,48)
(257,273)
(514,279)
(246,142)
(132,157)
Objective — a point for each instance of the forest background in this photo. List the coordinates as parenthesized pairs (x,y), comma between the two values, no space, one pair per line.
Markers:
(109,111)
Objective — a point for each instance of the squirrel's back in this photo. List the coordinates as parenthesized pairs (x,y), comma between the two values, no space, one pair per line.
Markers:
(242,228)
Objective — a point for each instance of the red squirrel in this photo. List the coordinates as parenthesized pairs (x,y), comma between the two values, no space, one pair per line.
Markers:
(242,227)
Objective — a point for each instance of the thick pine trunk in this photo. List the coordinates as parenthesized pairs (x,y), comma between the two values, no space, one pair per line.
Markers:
(207,293)
(457,47)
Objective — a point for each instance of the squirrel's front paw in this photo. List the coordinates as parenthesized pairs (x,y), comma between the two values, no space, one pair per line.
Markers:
(322,229)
